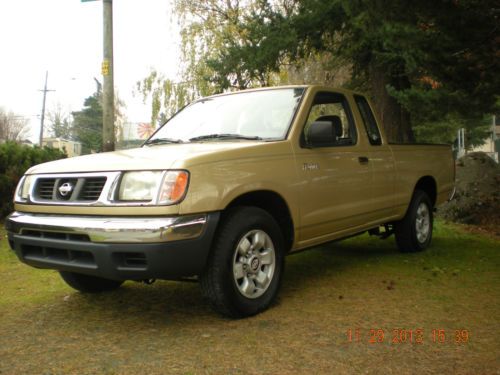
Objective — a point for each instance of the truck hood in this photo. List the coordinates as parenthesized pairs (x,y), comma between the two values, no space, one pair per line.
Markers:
(149,157)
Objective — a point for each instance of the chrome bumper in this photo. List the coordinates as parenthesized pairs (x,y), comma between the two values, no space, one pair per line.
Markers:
(111,229)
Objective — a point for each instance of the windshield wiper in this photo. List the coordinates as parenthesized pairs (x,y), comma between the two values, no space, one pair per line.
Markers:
(161,141)
(225,136)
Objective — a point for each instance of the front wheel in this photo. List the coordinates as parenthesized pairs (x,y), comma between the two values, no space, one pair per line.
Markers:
(246,263)
(414,231)
(89,284)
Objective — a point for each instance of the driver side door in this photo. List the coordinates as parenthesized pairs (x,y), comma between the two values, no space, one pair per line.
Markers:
(334,178)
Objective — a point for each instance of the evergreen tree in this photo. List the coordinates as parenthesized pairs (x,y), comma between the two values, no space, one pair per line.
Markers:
(430,65)
(423,62)
(59,123)
(87,124)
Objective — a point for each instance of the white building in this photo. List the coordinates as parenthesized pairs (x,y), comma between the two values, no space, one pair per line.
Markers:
(71,148)
(492,143)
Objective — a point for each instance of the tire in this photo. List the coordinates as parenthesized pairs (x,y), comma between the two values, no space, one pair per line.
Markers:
(246,263)
(89,284)
(414,231)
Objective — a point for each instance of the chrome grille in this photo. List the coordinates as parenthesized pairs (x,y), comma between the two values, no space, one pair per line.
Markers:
(45,188)
(69,188)
(92,188)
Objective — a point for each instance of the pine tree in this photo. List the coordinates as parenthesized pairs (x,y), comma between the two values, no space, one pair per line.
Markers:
(87,124)
(422,62)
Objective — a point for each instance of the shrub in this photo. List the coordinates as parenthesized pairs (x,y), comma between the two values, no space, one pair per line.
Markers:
(15,159)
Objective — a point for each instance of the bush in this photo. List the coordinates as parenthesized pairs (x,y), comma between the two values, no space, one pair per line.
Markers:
(15,159)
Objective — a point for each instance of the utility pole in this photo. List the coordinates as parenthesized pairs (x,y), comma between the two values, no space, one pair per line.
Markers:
(494,130)
(108,100)
(43,107)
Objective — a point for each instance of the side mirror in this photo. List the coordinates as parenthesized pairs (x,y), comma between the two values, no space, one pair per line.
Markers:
(321,134)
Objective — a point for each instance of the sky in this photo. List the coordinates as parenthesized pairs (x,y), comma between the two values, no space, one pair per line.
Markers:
(64,38)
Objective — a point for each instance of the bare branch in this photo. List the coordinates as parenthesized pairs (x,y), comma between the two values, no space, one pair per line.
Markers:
(12,127)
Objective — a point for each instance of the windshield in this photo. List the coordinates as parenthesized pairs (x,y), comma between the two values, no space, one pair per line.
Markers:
(253,115)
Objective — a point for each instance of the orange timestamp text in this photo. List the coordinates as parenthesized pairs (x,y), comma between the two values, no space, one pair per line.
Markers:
(407,336)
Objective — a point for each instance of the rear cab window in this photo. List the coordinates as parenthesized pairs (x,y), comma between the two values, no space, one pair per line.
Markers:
(369,121)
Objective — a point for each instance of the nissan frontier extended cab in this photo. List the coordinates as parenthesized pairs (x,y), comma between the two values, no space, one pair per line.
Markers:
(225,190)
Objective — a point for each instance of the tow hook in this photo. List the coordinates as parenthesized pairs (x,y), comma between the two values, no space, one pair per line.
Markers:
(148,281)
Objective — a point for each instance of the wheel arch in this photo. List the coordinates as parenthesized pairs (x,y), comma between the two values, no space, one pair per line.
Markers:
(275,205)
(428,185)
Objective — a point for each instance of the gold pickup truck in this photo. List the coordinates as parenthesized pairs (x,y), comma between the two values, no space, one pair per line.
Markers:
(224,190)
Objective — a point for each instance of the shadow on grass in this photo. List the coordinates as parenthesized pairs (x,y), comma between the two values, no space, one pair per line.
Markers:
(179,301)
(169,303)
(337,257)
(180,304)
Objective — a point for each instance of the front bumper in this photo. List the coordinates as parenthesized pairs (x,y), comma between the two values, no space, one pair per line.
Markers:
(120,248)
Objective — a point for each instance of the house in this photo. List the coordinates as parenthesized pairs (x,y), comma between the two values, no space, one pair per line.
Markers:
(71,148)
(492,143)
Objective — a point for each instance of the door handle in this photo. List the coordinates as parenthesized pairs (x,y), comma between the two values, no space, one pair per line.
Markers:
(363,159)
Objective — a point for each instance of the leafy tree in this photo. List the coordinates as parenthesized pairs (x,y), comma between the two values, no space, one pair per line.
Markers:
(167,96)
(12,126)
(206,28)
(316,68)
(423,62)
(427,65)
(211,33)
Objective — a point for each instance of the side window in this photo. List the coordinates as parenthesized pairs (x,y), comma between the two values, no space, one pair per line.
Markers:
(369,120)
(329,106)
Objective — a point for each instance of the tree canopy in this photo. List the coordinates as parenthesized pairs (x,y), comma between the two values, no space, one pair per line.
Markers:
(427,65)
(87,124)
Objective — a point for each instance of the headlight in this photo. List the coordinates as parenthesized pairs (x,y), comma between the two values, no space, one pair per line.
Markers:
(139,186)
(160,187)
(23,189)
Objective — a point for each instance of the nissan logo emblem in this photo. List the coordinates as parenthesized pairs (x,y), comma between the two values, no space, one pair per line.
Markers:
(65,189)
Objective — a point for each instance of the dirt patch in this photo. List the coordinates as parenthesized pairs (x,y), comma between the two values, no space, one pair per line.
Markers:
(477,198)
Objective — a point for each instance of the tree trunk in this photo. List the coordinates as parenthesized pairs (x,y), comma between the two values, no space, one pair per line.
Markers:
(395,119)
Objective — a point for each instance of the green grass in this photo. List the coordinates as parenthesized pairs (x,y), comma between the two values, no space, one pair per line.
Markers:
(361,283)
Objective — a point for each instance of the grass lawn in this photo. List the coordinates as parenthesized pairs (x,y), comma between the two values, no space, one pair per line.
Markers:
(395,306)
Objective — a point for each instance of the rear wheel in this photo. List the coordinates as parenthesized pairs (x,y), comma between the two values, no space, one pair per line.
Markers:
(244,271)
(89,284)
(414,231)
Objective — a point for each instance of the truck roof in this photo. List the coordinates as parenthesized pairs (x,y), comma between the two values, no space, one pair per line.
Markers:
(319,87)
